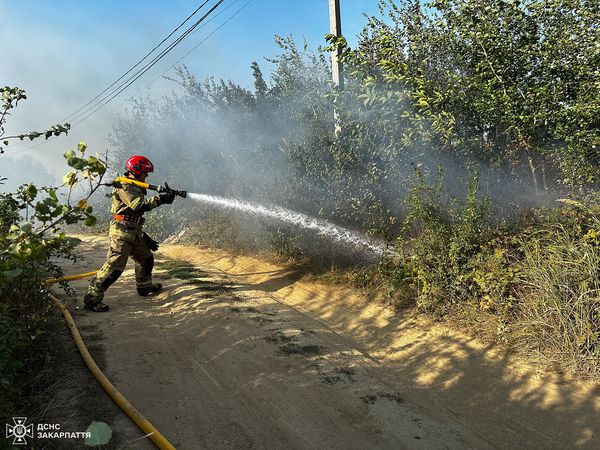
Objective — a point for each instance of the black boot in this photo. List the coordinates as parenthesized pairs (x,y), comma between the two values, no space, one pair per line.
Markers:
(148,290)
(97,307)
(92,304)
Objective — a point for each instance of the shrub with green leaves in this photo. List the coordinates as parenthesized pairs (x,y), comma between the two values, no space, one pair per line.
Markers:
(442,238)
(31,241)
(10,97)
(511,83)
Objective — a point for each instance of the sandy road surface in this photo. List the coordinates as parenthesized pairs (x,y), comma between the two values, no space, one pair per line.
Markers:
(244,354)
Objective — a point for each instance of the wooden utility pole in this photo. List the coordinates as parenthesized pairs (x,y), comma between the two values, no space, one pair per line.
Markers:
(335,28)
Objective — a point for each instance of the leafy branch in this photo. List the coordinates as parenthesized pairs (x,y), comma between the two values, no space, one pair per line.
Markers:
(10,98)
(29,238)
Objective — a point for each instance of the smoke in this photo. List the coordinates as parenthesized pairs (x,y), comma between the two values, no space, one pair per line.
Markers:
(23,171)
(274,145)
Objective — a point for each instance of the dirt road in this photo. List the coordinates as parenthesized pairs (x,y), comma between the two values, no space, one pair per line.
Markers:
(239,353)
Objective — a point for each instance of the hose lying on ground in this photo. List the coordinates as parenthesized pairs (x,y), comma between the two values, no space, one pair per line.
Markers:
(155,436)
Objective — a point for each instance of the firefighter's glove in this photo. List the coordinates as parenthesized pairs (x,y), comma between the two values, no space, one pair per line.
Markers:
(152,244)
(166,198)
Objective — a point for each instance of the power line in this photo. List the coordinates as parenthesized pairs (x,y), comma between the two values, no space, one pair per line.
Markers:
(152,63)
(75,114)
(204,40)
(204,25)
(180,59)
(138,63)
(117,91)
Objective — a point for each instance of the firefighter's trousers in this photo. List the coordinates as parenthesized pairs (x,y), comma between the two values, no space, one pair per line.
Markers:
(123,244)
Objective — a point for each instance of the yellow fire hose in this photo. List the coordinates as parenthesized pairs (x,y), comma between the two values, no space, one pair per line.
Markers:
(119,181)
(70,277)
(155,436)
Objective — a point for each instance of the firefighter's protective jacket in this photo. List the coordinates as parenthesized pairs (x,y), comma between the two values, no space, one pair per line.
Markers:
(130,201)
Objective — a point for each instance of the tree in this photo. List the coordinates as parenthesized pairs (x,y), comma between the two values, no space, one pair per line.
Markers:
(508,83)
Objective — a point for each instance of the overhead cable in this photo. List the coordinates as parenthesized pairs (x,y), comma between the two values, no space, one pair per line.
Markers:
(203,40)
(82,116)
(138,63)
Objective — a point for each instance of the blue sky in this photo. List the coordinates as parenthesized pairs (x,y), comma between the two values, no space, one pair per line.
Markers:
(64,52)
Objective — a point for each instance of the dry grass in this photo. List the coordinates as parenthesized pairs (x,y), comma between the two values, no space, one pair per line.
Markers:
(560,306)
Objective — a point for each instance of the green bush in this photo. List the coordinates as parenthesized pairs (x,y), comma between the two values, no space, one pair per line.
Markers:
(442,239)
(31,240)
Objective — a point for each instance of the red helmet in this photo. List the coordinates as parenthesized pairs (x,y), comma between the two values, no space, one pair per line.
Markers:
(138,164)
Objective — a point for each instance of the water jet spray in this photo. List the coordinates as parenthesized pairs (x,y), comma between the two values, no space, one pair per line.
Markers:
(322,227)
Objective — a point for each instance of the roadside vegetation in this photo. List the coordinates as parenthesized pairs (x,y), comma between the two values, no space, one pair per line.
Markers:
(32,243)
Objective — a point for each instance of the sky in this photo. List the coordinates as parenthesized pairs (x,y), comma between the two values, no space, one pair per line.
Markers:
(65,52)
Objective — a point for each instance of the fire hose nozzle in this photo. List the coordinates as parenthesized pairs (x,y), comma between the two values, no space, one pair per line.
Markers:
(166,188)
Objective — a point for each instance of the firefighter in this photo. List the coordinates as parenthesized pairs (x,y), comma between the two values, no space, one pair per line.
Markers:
(127,237)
